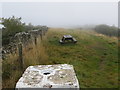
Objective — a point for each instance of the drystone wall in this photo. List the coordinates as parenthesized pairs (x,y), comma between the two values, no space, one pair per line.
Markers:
(23,37)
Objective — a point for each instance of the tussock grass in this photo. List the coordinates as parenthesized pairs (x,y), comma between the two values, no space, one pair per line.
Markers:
(35,54)
(32,55)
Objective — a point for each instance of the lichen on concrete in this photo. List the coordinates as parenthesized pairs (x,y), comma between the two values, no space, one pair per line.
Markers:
(49,76)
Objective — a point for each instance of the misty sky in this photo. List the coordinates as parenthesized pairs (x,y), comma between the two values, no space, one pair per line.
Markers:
(61,14)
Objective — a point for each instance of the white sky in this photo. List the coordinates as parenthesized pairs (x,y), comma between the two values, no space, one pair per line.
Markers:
(60,14)
(59,1)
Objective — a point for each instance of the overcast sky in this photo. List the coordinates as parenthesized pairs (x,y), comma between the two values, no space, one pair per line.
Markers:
(61,14)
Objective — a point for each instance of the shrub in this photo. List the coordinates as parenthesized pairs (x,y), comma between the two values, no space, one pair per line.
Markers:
(107,30)
(12,26)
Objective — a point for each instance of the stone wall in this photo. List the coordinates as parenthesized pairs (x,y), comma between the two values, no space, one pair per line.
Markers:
(25,38)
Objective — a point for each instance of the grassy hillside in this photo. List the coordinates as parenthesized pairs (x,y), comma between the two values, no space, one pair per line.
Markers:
(94,57)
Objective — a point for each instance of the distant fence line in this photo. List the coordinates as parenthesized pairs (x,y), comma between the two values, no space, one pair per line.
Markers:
(25,38)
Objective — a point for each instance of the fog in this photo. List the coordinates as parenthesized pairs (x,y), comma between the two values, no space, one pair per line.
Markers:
(63,14)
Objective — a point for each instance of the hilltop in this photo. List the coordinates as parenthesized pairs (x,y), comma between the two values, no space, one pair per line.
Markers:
(94,57)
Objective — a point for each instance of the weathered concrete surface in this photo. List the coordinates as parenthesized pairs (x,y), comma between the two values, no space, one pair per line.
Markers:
(49,76)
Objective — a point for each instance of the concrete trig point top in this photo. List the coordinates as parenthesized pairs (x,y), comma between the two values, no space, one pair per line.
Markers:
(48,76)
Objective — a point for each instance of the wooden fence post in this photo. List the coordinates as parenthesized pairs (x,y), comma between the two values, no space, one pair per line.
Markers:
(35,40)
(43,32)
(41,35)
(20,56)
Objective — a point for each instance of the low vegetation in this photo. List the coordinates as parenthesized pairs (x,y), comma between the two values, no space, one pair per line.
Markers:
(107,30)
(94,57)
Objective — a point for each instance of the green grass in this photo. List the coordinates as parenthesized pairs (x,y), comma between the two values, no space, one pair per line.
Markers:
(94,57)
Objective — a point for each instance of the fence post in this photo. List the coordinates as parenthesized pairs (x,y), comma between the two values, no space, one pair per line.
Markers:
(43,32)
(35,40)
(41,35)
(20,56)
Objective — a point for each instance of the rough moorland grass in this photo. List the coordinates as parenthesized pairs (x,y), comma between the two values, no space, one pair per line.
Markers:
(94,57)
(32,55)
